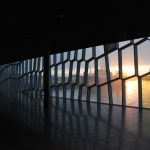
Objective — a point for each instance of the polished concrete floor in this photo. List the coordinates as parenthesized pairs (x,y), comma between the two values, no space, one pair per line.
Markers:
(76,125)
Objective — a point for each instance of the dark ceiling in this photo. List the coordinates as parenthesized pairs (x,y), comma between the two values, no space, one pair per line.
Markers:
(27,35)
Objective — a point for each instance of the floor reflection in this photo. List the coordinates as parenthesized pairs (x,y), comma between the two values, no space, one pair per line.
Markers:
(82,125)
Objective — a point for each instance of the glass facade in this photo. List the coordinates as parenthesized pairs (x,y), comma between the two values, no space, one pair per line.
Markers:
(117,73)
(23,77)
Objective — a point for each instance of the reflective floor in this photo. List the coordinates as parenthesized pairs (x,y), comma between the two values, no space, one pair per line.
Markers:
(83,125)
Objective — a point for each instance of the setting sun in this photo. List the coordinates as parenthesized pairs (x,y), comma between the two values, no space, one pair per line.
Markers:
(128,70)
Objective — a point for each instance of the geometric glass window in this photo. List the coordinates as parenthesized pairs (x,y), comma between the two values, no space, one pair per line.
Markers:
(102,77)
(131,89)
(113,64)
(128,62)
(146,91)
(144,57)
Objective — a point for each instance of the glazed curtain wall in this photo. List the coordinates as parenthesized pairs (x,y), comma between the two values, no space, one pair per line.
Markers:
(117,73)
(22,76)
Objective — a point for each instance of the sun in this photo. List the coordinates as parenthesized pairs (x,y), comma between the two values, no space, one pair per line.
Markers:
(128,70)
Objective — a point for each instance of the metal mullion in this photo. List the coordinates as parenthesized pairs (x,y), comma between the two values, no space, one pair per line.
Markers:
(75,55)
(86,73)
(63,73)
(55,75)
(70,71)
(72,92)
(80,93)
(94,51)
(120,62)
(108,79)
(34,64)
(64,90)
(78,72)
(39,63)
(136,60)
(99,94)
(83,54)
(88,94)
(140,92)
(123,93)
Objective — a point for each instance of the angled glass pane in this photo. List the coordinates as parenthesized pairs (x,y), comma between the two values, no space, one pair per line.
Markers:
(91,73)
(137,40)
(99,50)
(104,94)
(51,59)
(53,75)
(76,92)
(144,57)
(113,65)
(58,58)
(117,92)
(82,71)
(88,53)
(41,63)
(68,91)
(93,96)
(84,93)
(65,55)
(61,94)
(74,71)
(131,91)
(79,57)
(59,74)
(67,68)
(121,44)
(53,90)
(102,77)
(146,91)
(128,62)
(71,55)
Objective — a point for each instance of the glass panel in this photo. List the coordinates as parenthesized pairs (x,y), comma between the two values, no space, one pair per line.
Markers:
(57,58)
(76,92)
(117,92)
(79,54)
(88,53)
(74,71)
(91,73)
(82,71)
(113,64)
(144,57)
(68,91)
(137,40)
(65,54)
(61,91)
(84,93)
(102,78)
(93,96)
(71,55)
(52,59)
(104,94)
(53,75)
(59,74)
(67,68)
(146,92)
(121,44)
(128,62)
(131,88)
(41,63)
(99,50)
(53,92)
